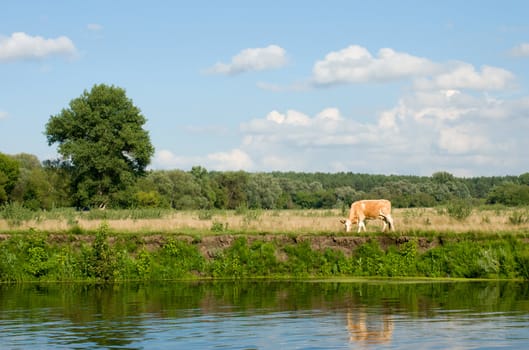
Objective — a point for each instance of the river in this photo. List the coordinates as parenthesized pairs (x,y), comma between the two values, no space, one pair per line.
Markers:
(370,314)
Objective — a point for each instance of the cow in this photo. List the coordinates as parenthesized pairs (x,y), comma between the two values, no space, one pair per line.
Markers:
(369,209)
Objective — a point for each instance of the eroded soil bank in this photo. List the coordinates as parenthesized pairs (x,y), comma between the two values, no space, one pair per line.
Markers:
(209,245)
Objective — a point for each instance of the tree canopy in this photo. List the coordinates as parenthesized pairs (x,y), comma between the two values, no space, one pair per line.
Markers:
(102,141)
(24,181)
(9,172)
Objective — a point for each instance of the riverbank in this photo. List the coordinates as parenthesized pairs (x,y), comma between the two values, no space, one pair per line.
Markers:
(106,255)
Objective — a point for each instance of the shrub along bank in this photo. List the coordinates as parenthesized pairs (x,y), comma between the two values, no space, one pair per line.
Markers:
(106,257)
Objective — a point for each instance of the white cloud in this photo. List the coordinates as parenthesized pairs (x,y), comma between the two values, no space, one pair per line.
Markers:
(465,76)
(355,64)
(166,159)
(462,140)
(3,115)
(252,59)
(298,130)
(292,117)
(441,122)
(424,132)
(521,50)
(330,114)
(20,46)
(235,159)
(462,134)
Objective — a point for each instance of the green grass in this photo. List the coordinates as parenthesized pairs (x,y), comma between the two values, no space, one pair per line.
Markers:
(107,256)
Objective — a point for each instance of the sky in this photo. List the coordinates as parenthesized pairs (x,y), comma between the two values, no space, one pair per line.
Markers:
(378,87)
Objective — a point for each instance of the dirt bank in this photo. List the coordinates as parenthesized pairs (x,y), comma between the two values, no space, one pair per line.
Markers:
(212,244)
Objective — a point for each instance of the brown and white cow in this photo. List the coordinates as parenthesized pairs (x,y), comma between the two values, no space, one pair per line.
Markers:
(369,209)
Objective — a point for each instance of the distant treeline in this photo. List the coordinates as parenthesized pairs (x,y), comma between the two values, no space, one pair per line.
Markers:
(35,185)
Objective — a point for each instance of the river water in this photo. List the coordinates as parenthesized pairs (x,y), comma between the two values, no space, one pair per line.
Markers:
(266,315)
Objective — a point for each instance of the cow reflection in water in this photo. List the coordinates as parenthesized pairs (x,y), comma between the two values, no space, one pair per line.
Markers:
(372,330)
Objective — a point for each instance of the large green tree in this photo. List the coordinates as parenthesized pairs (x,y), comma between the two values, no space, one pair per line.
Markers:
(101,136)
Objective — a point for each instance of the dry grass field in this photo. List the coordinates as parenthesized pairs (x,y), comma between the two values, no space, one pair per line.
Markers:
(407,221)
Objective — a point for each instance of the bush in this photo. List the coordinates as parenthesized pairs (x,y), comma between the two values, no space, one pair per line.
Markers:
(179,259)
(368,259)
(509,193)
(518,217)
(459,209)
(303,260)
(102,259)
(15,214)
(218,226)
(522,264)
(241,260)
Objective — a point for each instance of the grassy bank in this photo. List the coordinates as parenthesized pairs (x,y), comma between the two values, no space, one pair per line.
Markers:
(108,255)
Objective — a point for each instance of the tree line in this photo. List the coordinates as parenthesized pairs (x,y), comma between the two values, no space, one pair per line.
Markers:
(105,153)
(46,185)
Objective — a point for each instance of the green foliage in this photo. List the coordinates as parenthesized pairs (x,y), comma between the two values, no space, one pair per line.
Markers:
(33,188)
(205,215)
(241,260)
(230,190)
(144,264)
(9,172)
(101,259)
(459,209)
(37,263)
(369,259)
(303,261)
(402,261)
(433,263)
(250,216)
(59,175)
(179,259)
(518,217)
(150,199)
(90,176)
(134,214)
(263,191)
(522,263)
(510,194)
(463,259)
(32,256)
(14,213)
(66,263)
(101,135)
(178,189)
(11,260)
(217,226)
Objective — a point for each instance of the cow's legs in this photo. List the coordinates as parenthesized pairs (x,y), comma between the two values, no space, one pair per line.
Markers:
(389,219)
(361,225)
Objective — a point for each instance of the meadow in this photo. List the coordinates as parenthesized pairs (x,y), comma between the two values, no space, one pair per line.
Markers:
(408,221)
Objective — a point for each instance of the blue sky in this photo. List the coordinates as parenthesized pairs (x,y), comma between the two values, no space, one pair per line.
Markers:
(382,87)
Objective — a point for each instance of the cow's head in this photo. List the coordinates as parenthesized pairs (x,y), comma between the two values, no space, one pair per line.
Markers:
(348,224)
